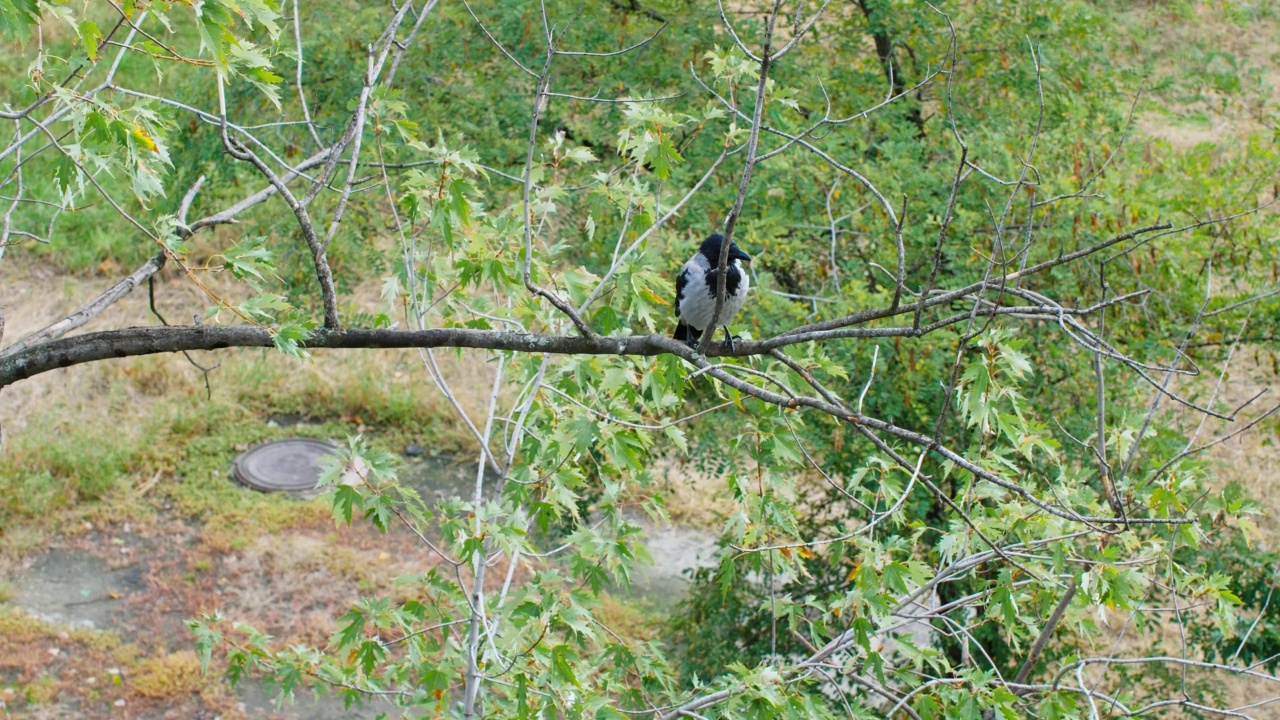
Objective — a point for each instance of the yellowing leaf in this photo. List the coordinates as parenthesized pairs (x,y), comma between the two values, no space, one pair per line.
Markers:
(140,134)
(654,297)
(853,572)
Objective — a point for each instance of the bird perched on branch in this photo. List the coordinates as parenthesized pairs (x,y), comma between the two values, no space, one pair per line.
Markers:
(696,290)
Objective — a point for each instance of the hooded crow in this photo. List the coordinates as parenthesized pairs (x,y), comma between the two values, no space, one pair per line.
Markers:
(696,290)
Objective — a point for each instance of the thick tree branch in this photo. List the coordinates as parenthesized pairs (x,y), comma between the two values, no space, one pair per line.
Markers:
(132,342)
(33,359)
(146,341)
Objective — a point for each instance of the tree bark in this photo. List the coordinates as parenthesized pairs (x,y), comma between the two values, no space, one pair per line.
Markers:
(131,342)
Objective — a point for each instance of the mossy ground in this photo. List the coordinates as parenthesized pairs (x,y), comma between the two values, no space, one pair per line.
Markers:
(129,464)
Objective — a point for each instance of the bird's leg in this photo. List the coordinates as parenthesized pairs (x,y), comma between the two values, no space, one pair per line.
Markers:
(728,338)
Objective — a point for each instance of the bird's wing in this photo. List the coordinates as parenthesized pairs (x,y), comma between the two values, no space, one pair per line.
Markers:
(682,280)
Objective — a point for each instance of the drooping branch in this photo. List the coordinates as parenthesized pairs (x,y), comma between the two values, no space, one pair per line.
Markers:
(230,214)
(324,274)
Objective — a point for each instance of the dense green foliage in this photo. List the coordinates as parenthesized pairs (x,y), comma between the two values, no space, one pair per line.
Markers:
(830,531)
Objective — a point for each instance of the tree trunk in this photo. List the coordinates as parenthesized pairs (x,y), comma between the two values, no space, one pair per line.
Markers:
(880,34)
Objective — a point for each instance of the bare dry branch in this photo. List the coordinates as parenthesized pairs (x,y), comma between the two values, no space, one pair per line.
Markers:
(89,311)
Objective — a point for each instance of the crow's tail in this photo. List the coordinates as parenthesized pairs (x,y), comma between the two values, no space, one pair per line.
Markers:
(686,334)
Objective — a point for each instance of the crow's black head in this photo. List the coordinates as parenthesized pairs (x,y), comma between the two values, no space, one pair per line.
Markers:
(711,250)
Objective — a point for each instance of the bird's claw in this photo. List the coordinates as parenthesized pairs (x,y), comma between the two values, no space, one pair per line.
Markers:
(728,339)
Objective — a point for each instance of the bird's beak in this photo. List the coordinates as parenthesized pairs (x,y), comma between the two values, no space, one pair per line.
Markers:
(739,255)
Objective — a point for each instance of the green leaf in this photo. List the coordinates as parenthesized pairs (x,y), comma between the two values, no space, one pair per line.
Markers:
(17,17)
(250,259)
(90,37)
(927,707)
(662,157)
(206,638)
(345,498)
(677,437)
(560,656)
(369,655)
(522,698)
(378,510)
(893,576)
(65,171)
(264,307)
(350,633)
(581,155)
(291,335)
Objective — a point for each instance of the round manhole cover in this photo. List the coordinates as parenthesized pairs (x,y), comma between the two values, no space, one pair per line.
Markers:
(291,466)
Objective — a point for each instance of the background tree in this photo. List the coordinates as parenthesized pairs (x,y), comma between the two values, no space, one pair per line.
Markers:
(988,345)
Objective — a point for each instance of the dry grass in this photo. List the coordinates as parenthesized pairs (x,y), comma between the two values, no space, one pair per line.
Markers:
(630,620)
(1121,637)
(1249,460)
(1252,458)
(34,295)
(1199,52)
(54,672)
(293,583)
(110,418)
(19,627)
(693,499)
